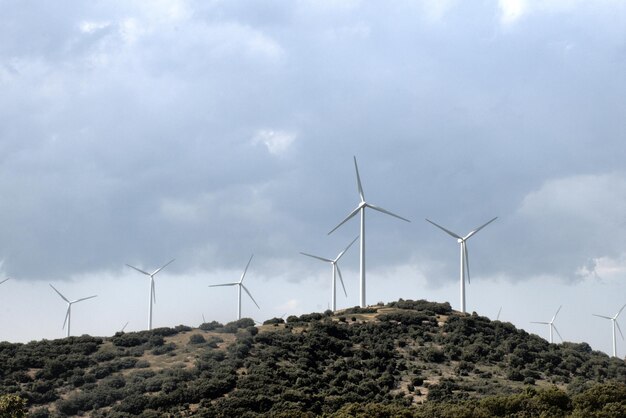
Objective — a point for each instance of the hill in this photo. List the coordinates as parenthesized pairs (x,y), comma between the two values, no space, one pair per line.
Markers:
(406,358)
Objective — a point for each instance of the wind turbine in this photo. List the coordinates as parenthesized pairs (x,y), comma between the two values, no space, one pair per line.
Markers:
(464,256)
(551,325)
(614,324)
(68,314)
(336,270)
(361,209)
(240,286)
(152,292)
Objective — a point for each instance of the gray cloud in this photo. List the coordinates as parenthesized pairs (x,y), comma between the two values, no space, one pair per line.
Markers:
(135,133)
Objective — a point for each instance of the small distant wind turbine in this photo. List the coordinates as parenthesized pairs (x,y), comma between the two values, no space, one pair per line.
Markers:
(152,292)
(464,255)
(614,324)
(68,314)
(551,325)
(361,208)
(5,280)
(336,270)
(240,286)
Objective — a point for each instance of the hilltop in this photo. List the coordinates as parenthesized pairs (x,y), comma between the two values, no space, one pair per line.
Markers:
(406,358)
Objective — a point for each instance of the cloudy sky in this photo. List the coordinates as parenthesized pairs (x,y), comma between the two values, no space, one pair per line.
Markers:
(137,132)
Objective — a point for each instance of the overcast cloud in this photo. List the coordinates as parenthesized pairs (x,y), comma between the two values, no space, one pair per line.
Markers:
(136,132)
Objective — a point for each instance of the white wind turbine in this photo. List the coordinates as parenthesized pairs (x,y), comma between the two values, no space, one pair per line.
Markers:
(361,208)
(551,325)
(68,314)
(152,291)
(336,270)
(240,286)
(614,324)
(464,255)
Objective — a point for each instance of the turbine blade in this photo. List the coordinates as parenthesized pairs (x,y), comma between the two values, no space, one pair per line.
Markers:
(538,322)
(139,270)
(67,314)
(82,299)
(602,316)
(55,289)
(378,208)
(466,260)
(224,284)
(319,258)
(615,317)
(557,312)
(358,181)
(499,311)
(479,228)
(557,332)
(250,294)
(246,269)
(619,329)
(124,327)
(444,229)
(5,280)
(354,212)
(344,251)
(341,279)
(162,267)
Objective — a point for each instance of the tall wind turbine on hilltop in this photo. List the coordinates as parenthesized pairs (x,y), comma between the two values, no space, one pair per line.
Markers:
(240,286)
(361,209)
(551,325)
(68,314)
(464,255)
(152,291)
(336,270)
(614,324)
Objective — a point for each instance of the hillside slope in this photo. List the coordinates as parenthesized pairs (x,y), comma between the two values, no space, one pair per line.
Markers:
(407,358)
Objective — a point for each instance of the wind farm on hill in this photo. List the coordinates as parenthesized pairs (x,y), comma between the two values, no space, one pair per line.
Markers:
(360,209)
(404,358)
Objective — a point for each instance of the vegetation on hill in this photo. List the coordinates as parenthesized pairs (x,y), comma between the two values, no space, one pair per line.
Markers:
(407,358)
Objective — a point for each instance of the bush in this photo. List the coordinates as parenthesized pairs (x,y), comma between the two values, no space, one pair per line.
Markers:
(196,339)
(210,326)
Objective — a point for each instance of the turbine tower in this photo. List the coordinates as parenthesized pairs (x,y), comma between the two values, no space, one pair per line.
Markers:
(614,324)
(240,286)
(551,325)
(361,209)
(68,314)
(152,291)
(336,270)
(464,255)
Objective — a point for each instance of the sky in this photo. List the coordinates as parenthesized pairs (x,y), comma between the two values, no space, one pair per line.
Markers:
(139,132)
